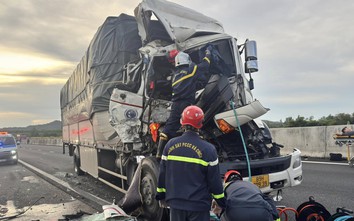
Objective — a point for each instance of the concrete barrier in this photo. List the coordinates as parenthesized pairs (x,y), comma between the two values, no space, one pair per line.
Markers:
(55,141)
(312,141)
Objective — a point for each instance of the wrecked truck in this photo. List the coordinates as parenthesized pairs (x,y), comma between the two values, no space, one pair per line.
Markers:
(118,98)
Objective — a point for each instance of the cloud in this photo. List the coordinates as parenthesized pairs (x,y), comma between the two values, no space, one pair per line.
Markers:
(304,50)
(61,29)
(14,119)
(12,63)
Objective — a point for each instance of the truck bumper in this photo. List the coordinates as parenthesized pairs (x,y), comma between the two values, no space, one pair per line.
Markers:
(290,177)
(284,171)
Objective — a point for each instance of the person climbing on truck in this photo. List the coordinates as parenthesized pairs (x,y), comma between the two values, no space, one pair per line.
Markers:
(118,130)
(189,172)
(184,87)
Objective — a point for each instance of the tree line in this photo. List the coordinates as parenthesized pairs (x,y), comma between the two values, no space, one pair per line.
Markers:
(300,121)
(35,132)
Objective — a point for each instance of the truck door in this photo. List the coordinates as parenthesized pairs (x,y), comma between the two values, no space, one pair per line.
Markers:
(126,105)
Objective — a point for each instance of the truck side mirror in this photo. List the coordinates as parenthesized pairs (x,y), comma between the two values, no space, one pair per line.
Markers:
(251,64)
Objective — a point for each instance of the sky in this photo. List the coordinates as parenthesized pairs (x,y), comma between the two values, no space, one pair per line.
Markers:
(305,52)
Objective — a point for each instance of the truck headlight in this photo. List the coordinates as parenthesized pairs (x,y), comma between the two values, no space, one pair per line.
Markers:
(297,162)
(224,126)
(13,152)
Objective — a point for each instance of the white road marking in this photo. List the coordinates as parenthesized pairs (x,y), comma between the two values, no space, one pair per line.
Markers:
(321,162)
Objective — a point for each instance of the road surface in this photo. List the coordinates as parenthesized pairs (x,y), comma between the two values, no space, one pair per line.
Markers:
(331,184)
(21,189)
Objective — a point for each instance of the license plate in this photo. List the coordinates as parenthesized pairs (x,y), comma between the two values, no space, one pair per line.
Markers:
(261,181)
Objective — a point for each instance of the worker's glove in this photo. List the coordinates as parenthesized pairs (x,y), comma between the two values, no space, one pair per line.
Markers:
(163,204)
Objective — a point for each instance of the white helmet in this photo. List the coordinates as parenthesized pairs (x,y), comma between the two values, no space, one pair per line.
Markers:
(182,59)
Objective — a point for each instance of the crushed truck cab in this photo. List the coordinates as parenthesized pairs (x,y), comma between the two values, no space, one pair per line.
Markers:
(119,98)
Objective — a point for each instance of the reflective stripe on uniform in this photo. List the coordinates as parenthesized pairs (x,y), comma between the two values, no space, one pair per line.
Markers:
(185,77)
(161,190)
(218,196)
(214,163)
(191,160)
(207,59)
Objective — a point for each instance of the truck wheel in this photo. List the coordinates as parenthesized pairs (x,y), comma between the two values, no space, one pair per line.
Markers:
(77,163)
(148,186)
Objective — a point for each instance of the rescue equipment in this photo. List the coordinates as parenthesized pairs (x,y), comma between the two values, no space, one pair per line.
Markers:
(312,210)
(287,213)
(243,141)
(342,214)
(348,140)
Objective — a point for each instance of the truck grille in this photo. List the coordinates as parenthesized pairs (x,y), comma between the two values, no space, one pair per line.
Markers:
(258,167)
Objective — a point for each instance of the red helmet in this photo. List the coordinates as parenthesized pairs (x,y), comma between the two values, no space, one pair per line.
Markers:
(171,56)
(193,116)
(232,174)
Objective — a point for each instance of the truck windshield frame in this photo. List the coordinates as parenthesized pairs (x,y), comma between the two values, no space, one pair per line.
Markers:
(160,71)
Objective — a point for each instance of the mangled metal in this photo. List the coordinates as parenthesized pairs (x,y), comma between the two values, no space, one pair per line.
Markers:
(172,22)
(113,117)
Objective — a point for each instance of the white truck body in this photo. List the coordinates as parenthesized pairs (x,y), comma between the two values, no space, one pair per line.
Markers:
(119,97)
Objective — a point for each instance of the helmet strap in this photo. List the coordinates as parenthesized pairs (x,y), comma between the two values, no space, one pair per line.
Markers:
(190,128)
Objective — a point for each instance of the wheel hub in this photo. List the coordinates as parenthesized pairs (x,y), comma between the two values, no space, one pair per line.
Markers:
(147,191)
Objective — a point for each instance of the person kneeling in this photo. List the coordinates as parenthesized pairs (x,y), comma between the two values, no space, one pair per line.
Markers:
(245,201)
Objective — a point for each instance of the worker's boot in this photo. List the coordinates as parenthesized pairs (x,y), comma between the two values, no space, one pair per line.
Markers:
(162,142)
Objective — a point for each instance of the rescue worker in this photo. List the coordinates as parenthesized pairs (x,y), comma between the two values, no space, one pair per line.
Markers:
(184,87)
(245,201)
(189,172)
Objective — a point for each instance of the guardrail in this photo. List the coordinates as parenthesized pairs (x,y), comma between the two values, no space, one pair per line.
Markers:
(55,141)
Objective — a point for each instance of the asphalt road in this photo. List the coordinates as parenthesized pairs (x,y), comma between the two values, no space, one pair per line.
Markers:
(331,185)
(20,189)
(51,160)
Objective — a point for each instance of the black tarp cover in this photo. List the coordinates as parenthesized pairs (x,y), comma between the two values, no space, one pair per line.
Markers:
(89,88)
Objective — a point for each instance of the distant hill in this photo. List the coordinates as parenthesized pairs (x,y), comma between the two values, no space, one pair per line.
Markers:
(55,125)
(52,129)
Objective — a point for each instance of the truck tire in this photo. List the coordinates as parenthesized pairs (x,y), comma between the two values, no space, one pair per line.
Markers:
(77,163)
(148,186)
